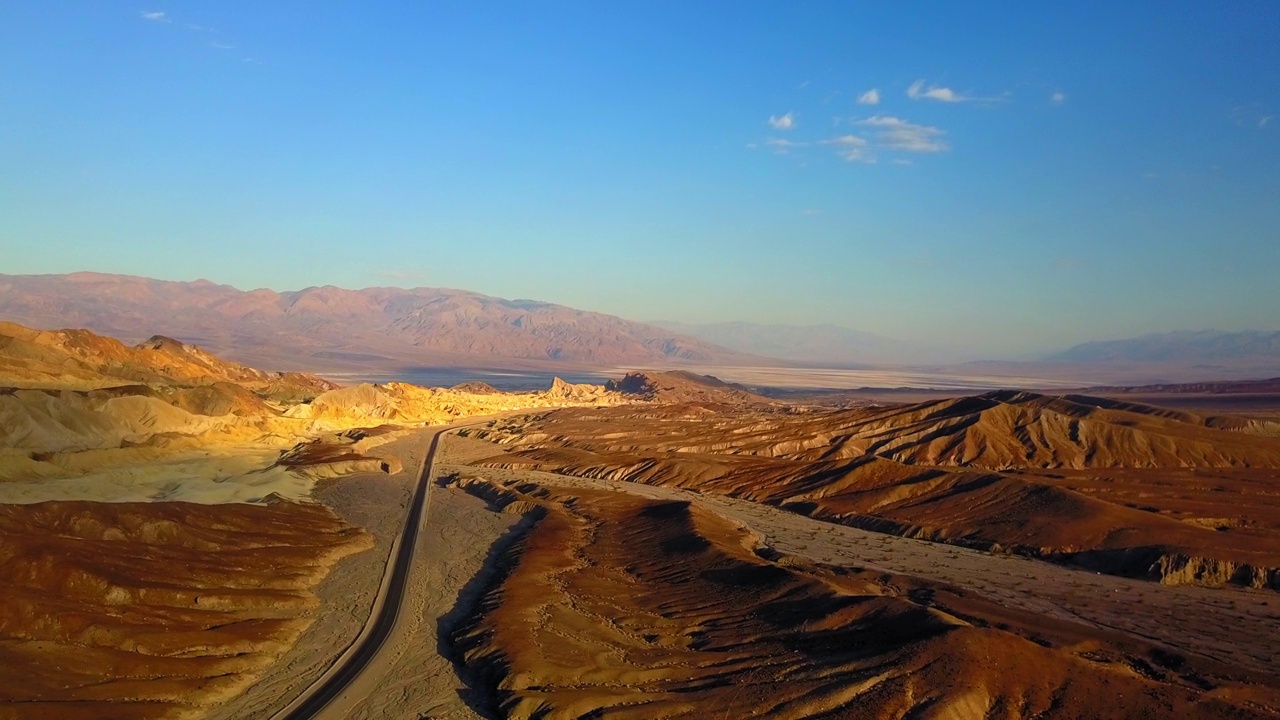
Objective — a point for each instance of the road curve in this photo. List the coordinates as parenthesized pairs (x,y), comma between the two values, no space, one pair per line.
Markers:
(313,700)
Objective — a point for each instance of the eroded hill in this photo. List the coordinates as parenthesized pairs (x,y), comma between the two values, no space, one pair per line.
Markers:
(87,417)
(153,610)
(1121,488)
(82,360)
(618,606)
(200,568)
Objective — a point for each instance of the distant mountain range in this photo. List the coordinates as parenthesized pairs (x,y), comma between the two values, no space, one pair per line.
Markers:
(332,329)
(1207,346)
(382,330)
(826,345)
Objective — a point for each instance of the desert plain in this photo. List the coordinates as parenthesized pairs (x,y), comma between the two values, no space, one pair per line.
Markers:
(186,537)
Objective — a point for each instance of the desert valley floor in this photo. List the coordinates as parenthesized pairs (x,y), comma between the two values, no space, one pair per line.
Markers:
(184,537)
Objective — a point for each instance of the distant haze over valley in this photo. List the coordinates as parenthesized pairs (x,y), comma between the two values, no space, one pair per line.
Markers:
(390,331)
(335,329)
(826,345)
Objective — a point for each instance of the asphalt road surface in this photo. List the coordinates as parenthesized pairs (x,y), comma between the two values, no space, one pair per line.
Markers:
(386,610)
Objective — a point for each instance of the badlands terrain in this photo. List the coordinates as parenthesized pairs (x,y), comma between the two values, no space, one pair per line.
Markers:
(184,536)
(1002,555)
(159,529)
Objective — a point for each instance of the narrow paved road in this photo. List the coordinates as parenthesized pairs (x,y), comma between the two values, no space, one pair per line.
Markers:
(320,695)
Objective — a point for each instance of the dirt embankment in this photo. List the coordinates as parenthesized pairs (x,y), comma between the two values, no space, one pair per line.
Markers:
(632,608)
(1163,495)
(150,610)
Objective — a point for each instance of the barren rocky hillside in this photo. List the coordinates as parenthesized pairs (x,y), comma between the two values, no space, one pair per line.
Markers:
(335,327)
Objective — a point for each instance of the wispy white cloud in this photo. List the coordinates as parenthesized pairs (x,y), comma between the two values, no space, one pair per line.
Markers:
(859,155)
(851,148)
(204,34)
(874,138)
(782,145)
(847,140)
(810,212)
(870,97)
(1058,97)
(894,133)
(920,91)
(1251,114)
(782,122)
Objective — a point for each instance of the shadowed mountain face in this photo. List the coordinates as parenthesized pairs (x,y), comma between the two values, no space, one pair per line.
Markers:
(334,327)
(1206,346)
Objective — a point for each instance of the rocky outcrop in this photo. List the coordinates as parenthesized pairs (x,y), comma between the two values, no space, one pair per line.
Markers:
(678,386)
(82,360)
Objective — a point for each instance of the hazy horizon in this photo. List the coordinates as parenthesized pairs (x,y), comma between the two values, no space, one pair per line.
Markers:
(1066,175)
(91,300)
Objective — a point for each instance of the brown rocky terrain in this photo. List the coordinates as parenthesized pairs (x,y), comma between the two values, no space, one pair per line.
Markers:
(681,386)
(86,417)
(201,567)
(620,606)
(335,328)
(700,550)
(1127,489)
(151,610)
(81,360)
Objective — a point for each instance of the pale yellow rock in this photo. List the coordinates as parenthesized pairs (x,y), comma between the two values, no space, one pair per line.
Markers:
(87,417)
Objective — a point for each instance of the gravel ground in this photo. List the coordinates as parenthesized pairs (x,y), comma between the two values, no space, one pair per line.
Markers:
(456,542)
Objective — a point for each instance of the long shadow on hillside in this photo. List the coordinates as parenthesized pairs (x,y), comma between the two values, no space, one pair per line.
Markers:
(499,561)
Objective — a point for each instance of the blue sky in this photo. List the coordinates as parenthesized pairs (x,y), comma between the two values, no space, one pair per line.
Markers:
(1028,177)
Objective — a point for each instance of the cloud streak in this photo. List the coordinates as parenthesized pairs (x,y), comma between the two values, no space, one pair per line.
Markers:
(207,36)
(870,97)
(851,148)
(782,146)
(894,133)
(782,122)
(919,90)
